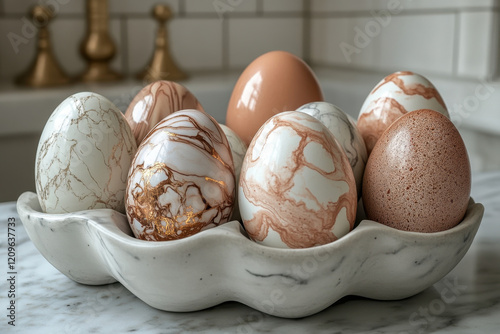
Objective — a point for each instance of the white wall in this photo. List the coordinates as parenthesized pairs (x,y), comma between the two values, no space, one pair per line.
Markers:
(446,37)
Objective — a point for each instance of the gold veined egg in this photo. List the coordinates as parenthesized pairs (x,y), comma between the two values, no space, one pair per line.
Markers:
(182,178)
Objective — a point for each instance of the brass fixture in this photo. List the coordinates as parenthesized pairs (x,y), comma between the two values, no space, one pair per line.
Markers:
(45,71)
(162,66)
(98,48)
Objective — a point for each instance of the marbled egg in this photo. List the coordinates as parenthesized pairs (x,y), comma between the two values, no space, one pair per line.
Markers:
(418,176)
(296,187)
(238,150)
(83,156)
(394,96)
(276,81)
(156,101)
(344,129)
(182,178)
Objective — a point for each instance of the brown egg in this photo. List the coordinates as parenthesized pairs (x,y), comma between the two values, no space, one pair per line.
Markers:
(274,82)
(418,176)
(156,101)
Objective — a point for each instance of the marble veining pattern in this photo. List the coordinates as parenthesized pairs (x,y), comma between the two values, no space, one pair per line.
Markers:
(394,96)
(471,291)
(276,206)
(156,101)
(83,156)
(182,178)
(344,129)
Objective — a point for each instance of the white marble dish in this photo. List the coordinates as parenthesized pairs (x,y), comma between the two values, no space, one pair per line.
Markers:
(221,264)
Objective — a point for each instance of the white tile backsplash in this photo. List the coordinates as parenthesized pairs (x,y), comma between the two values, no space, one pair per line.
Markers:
(143,7)
(401,43)
(477,52)
(338,6)
(422,43)
(195,44)
(59,6)
(219,7)
(251,37)
(272,6)
(17,50)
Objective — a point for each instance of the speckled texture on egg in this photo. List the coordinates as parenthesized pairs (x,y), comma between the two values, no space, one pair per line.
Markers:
(393,97)
(182,178)
(418,176)
(296,188)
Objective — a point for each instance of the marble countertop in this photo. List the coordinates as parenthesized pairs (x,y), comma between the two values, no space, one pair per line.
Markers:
(467,300)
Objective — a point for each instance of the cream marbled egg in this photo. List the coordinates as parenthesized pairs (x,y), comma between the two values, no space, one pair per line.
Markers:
(394,96)
(238,150)
(344,129)
(296,187)
(156,101)
(182,178)
(83,156)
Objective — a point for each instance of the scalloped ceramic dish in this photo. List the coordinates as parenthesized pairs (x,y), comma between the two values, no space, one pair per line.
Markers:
(222,264)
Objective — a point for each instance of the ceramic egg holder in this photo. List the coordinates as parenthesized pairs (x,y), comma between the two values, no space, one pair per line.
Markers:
(222,264)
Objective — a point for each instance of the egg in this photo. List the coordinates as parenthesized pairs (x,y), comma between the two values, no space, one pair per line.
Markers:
(182,178)
(238,150)
(83,156)
(394,96)
(274,82)
(156,101)
(344,129)
(418,176)
(296,188)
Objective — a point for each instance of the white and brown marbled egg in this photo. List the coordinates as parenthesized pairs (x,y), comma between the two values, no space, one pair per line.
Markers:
(394,96)
(344,129)
(296,187)
(156,101)
(182,178)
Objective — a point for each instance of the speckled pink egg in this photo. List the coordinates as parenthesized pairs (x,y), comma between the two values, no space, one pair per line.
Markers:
(418,176)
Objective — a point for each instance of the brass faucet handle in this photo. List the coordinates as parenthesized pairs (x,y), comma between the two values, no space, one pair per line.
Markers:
(162,66)
(42,15)
(45,71)
(162,13)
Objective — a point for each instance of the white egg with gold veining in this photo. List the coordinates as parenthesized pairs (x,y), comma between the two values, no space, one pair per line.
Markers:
(181,180)
(83,156)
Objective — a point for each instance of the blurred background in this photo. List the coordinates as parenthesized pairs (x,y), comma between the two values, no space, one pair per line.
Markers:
(351,45)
